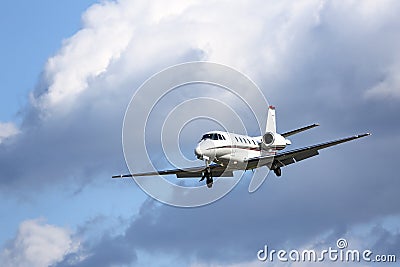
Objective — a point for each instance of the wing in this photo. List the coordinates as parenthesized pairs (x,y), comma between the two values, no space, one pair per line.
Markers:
(293,156)
(193,172)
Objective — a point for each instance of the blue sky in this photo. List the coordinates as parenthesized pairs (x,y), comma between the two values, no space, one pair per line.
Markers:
(31,33)
(70,67)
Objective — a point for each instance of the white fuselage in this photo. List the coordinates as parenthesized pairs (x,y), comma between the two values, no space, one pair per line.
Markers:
(234,149)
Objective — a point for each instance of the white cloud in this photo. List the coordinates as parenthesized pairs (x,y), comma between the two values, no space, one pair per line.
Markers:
(294,47)
(88,53)
(121,40)
(109,29)
(7,130)
(136,36)
(38,244)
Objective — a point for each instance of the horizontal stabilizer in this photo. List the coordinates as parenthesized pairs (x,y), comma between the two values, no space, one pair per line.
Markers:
(299,130)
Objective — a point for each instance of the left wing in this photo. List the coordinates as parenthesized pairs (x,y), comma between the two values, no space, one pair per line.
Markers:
(293,156)
(193,172)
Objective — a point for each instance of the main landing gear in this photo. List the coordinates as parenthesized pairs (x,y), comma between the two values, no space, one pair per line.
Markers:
(278,171)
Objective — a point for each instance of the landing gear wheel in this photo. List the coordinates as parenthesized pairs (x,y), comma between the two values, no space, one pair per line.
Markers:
(206,174)
(278,172)
(210,182)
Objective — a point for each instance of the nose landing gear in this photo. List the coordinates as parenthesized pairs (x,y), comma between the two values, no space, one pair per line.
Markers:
(207,175)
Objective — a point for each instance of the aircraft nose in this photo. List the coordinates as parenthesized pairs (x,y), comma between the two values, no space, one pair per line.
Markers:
(198,152)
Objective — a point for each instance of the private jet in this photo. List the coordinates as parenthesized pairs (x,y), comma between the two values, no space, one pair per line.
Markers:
(224,152)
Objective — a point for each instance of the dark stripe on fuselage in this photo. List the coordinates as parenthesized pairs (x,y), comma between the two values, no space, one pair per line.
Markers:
(241,147)
(248,148)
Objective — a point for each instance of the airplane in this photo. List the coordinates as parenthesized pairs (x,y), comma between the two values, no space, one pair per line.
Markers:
(224,152)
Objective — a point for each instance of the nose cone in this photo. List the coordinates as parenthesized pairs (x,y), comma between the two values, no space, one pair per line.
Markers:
(198,152)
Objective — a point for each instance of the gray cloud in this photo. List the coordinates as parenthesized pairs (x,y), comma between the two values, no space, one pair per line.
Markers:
(107,252)
(317,62)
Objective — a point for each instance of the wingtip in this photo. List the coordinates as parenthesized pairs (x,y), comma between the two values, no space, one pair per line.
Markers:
(117,176)
(363,135)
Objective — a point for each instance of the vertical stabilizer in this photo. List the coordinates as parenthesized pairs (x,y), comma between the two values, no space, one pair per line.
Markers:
(271,120)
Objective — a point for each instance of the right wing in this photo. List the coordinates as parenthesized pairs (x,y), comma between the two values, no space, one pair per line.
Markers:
(193,172)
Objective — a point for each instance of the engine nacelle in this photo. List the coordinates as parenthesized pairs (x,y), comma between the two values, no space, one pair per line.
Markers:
(268,139)
(273,141)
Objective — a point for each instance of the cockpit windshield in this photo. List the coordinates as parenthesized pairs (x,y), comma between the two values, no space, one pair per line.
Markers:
(213,136)
(206,136)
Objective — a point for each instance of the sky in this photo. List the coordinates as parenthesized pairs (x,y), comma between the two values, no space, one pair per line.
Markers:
(71,67)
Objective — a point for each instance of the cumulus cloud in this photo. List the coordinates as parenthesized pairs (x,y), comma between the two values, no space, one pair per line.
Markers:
(38,244)
(317,60)
(87,54)
(288,48)
(218,235)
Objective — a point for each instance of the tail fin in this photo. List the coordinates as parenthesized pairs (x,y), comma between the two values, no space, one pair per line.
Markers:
(271,121)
